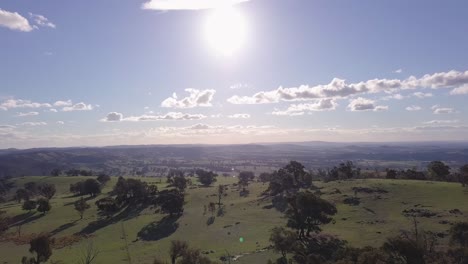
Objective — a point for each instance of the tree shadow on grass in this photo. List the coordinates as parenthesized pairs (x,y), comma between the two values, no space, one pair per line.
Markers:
(128,213)
(159,230)
(79,197)
(62,228)
(25,218)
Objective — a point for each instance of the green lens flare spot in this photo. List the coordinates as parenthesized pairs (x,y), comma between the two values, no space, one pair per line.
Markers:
(241,239)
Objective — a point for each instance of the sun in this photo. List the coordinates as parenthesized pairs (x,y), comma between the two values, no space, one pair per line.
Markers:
(225,30)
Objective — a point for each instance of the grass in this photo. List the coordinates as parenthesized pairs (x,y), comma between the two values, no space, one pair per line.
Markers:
(245,218)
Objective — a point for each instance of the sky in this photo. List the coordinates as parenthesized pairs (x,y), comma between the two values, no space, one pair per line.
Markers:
(102,72)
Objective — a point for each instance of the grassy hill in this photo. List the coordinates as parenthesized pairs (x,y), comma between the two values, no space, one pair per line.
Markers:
(378,216)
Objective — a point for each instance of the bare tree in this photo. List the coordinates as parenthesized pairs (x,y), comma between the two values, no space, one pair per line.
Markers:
(88,253)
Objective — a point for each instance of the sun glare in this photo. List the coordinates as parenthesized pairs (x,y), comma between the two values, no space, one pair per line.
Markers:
(225,30)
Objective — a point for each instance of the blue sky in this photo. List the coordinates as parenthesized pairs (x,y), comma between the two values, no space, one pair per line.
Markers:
(77,73)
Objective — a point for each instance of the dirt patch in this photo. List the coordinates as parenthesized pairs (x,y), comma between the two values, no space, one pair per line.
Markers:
(418,212)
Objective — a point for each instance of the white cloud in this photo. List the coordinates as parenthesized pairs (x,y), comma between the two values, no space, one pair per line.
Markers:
(78,107)
(196,98)
(413,108)
(117,117)
(63,103)
(14,21)
(442,110)
(394,96)
(338,88)
(60,123)
(438,122)
(21,114)
(422,95)
(53,110)
(113,117)
(239,116)
(362,104)
(460,90)
(19,103)
(300,109)
(33,124)
(41,20)
(398,71)
(188,4)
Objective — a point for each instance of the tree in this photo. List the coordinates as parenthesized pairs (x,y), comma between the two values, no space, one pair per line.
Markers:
(107,205)
(283,240)
(92,187)
(29,205)
(42,246)
(55,172)
(177,249)
(212,208)
(221,189)
(4,222)
(180,183)
(464,175)
(438,170)
(47,190)
(21,194)
(103,178)
(265,177)
(391,174)
(206,177)
(81,206)
(344,171)
(77,188)
(307,212)
(171,202)
(459,234)
(31,187)
(301,177)
(244,178)
(43,205)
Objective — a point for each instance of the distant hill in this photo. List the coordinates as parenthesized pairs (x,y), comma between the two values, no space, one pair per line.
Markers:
(121,160)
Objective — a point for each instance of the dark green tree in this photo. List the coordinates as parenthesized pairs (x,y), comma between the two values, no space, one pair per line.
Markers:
(206,177)
(438,170)
(43,205)
(29,205)
(47,190)
(81,206)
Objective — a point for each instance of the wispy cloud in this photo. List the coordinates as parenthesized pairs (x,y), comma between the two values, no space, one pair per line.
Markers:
(117,117)
(78,107)
(239,116)
(21,114)
(442,110)
(19,103)
(413,108)
(41,21)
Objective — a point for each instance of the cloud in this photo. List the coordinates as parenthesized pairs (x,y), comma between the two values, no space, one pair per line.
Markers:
(63,103)
(438,122)
(19,103)
(33,124)
(41,20)
(78,107)
(21,114)
(14,21)
(339,88)
(300,109)
(398,71)
(188,4)
(239,116)
(53,110)
(413,108)
(442,110)
(113,117)
(394,96)
(460,90)
(362,104)
(117,117)
(196,98)
(422,95)
(60,123)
